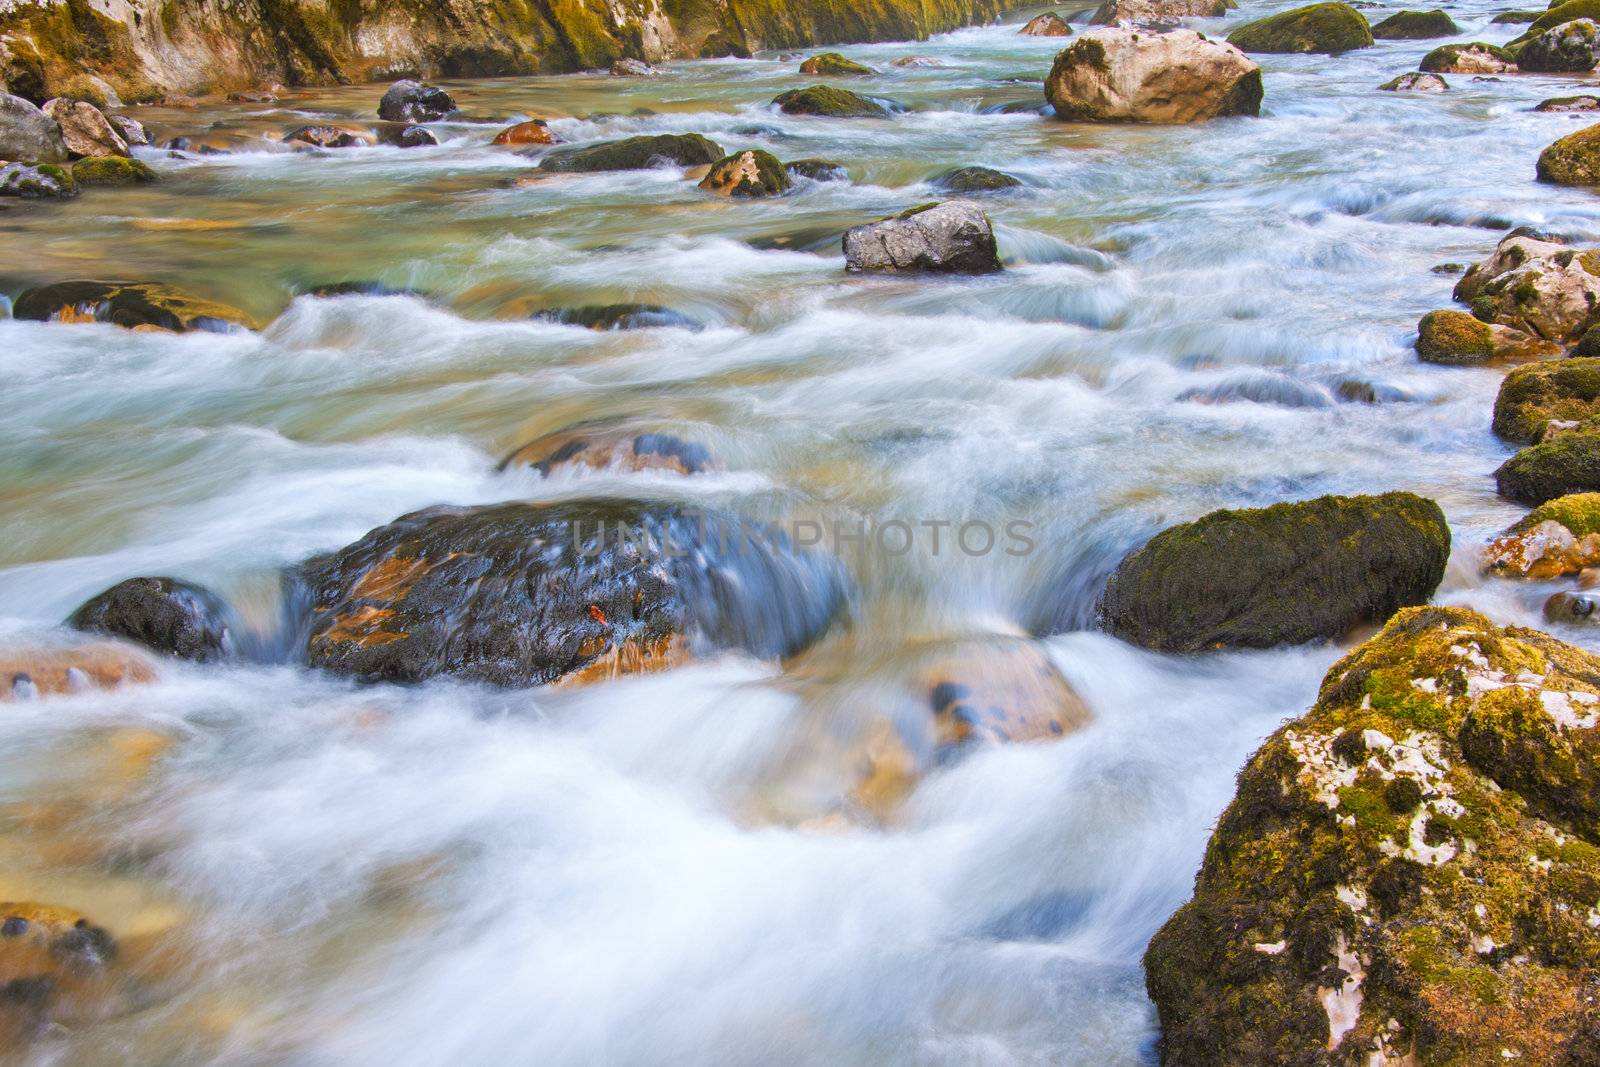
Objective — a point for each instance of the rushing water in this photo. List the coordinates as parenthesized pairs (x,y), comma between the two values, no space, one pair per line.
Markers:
(642,872)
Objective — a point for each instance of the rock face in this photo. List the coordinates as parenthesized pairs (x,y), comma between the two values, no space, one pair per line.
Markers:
(829,102)
(635,153)
(143,48)
(1573,160)
(1558,538)
(1330,28)
(1532,396)
(1415,26)
(37,182)
(525,594)
(1567,48)
(1416,82)
(165,615)
(950,238)
(1474,58)
(750,173)
(412,101)
(127,304)
(1569,463)
(1281,575)
(85,130)
(1113,12)
(1120,75)
(1536,286)
(1408,873)
(534,131)
(1048,24)
(29,673)
(834,63)
(28,134)
(969,180)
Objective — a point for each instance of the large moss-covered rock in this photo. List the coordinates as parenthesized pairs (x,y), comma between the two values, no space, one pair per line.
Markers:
(1456,339)
(1281,575)
(1474,58)
(112,170)
(829,101)
(37,181)
(635,153)
(1573,160)
(1531,396)
(1409,872)
(969,180)
(1415,26)
(750,173)
(127,304)
(169,616)
(1557,538)
(1558,15)
(26,133)
(1538,286)
(1568,48)
(524,594)
(833,63)
(1569,463)
(1330,28)
(1123,75)
(955,237)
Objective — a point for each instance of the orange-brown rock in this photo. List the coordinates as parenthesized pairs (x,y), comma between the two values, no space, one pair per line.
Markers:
(534,131)
(29,672)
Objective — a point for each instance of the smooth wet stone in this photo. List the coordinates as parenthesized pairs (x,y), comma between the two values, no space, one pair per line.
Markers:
(1328,28)
(411,101)
(28,134)
(128,304)
(635,153)
(1533,396)
(527,594)
(1048,24)
(330,137)
(1123,75)
(818,170)
(832,63)
(85,128)
(1416,82)
(1556,467)
(42,181)
(618,317)
(1572,608)
(950,238)
(1406,873)
(968,180)
(1474,58)
(1282,575)
(829,102)
(1415,26)
(112,170)
(751,173)
(534,131)
(591,448)
(29,672)
(172,617)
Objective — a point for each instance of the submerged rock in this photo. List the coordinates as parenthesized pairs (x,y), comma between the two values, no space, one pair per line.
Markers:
(1112,12)
(127,304)
(1407,873)
(85,129)
(968,180)
(1557,538)
(834,63)
(1569,103)
(635,153)
(412,101)
(1416,82)
(1568,48)
(618,317)
(169,616)
(1536,286)
(112,170)
(750,173)
(1474,58)
(26,133)
(41,181)
(406,136)
(525,594)
(611,447)
(1121,75)
(1282,575)
(1573,160)
(1415,26)
(534,131)
(1048,24)
(1331,28)
(1568,463)
(56,967)
(1456,339)
(829,102)
(27,673)
(952,238)
(330,137)
(818,170)
(1531,397)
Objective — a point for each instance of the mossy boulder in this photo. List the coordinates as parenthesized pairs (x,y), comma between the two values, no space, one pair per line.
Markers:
(1416,82)
(1568,463)
(1331,28)
(1557,538)
(827,63)
(1557,15)
(1473,58)
(1573,160)
(1532,396)
(1569,48)
(37,181)
(1281,575)
(1536,285)
(1513,18)
(818,170)
(524,594)
(1563,104)
(968,180)
(635,153)
(829,102)
(751,173)
(1454,338)
(128,304)
(112,170)
(172,617)
(1408,873)
(1415,26)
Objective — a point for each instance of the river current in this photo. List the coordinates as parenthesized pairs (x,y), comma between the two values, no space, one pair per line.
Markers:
(646,871)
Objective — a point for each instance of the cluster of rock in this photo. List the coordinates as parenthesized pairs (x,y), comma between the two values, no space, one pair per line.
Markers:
(49,151)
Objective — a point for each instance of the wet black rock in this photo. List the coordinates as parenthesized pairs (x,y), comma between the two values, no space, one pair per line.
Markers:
(618,317)
(1569,463)
(976,180)
(818,170)
(523,594)
(165,615)
(127,304)
(411,101)
(402,136)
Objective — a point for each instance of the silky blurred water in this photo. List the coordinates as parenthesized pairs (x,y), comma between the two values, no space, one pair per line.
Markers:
(642,872)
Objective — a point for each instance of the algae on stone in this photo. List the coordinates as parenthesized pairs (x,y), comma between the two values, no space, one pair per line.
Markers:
(1329,27)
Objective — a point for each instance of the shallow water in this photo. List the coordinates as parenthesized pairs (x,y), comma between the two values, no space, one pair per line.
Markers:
(643,872)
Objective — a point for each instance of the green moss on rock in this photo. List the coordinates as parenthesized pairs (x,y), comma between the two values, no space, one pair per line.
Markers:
(1394,879)
(1330,28)
(1558,15)
(1285,574)
(750,173)
(128,304)
(1415,26)
(112,170)
(833,63)
(1568,464)
(1573,160)
(1474,58)
(830,102)
(969,180)
(1454,338)
(635,153)
(1578,512)
(1532,395)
